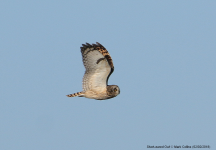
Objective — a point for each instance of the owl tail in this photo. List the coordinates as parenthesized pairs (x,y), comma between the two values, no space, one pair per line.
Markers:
(80,94)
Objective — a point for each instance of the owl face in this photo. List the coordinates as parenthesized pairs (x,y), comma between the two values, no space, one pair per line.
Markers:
(113,90)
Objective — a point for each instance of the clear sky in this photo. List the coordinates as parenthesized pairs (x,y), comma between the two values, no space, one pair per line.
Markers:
(164,53)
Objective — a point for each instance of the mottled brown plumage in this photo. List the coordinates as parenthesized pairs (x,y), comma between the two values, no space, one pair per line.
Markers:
(99,66)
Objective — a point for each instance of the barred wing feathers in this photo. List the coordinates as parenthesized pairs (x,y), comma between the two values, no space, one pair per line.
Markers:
(98,65)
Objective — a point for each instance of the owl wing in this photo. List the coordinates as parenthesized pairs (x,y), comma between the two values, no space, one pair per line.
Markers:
(98,65)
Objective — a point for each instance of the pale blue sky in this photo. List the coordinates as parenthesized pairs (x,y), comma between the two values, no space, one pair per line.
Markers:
(164,54)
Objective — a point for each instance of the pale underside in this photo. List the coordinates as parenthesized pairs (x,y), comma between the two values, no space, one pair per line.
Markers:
(97,71)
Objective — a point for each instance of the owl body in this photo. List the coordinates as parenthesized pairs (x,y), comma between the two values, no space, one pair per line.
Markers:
(99,66)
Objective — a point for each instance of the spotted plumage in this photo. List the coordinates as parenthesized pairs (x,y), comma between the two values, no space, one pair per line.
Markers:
(99,66)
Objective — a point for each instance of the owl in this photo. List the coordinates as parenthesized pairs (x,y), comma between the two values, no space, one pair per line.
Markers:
(99,66)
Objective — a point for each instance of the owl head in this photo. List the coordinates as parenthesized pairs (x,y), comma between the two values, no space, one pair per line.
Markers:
(113,90)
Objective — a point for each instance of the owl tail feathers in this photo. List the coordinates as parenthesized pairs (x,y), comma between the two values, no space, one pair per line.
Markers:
(80,94)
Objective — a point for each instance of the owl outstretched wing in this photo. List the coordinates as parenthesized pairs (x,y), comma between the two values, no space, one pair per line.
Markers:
(98,65)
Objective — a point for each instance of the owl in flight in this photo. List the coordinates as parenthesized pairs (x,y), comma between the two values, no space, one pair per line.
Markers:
(99,66)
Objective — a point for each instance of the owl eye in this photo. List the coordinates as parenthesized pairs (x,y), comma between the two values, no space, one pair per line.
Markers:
(115,89)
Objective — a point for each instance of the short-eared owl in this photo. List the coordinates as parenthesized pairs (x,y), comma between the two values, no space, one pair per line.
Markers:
(99,67)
